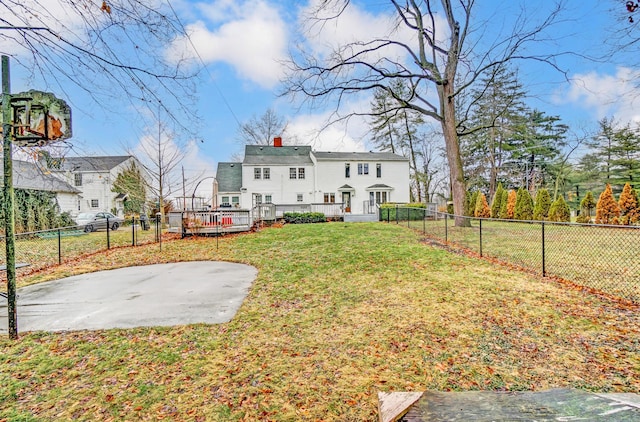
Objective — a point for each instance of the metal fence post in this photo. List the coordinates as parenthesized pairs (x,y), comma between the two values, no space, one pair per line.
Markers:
(424,221)
(59,247)
(133,231)
(480,220)
(544,269)
(397,218)
(446,227)
(408,217)
(108,237)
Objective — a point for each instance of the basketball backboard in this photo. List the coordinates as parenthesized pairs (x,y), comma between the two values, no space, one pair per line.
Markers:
(39,118)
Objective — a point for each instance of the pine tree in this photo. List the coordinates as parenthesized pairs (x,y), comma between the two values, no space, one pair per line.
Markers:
(482,207)
(559,210)
(587,205)
(524,205)
(511,204)
(503,204)
(543,202)
(472,204)
(628,203)
(607,209)
(496,204)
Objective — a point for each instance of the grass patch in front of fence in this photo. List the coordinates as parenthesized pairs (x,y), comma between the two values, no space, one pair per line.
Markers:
(602,258)
(338,312)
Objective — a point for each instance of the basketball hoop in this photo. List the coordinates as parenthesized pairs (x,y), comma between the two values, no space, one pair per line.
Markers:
(39,118)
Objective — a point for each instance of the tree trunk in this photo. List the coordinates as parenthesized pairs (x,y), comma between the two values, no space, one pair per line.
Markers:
(452,145)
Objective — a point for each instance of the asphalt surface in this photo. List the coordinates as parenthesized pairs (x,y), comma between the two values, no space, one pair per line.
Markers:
(154,295)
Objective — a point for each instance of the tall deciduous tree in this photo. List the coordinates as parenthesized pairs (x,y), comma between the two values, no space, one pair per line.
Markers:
(260,130)
(433,46)
(111,50)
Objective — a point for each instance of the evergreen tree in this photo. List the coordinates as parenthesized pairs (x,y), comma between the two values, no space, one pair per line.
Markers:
(482,209)
(628,203)
(496,204)
(524,205)
(607,209)
(511,204)
(542,204)
(503,205)
(130,182)
(472,204)
(559,210)
(587,205)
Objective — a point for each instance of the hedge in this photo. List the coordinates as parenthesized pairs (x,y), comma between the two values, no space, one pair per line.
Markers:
(304,217)
(413,212)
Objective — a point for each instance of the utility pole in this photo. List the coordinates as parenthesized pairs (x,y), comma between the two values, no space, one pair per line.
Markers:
(9,219)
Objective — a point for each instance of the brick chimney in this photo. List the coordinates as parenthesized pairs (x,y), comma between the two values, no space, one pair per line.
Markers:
(277,142)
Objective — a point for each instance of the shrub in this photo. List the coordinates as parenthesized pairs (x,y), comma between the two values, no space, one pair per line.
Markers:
(304,217)
(413,211)
(496,204)
(587,205)
(524,205)
(511,204)
(559,210)
(482,207)
(628,203)
(607,208)
(503,204)
(543,202)
(471,209)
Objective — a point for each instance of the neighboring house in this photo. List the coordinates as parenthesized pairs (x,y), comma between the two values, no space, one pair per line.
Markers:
(94,178)
(285,175)
(27,175)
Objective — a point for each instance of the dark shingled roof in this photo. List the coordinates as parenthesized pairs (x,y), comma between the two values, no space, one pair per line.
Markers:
(229,177)
(28,175)
(81,164)
(286,155)
(358,156)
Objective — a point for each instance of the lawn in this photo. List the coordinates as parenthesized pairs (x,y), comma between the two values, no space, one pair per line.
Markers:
(338,312)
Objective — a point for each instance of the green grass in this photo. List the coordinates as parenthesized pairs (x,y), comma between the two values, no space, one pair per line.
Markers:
(601,258)
(338,312)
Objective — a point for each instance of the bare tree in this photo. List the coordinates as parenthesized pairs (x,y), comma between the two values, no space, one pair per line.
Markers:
(110,50)
(435,47)
(261,130)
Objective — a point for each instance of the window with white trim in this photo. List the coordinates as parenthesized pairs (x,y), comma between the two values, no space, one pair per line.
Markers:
(363,168)
(330,198)
(266,173)
(300,197)
(293,172)
(257,173)
(347,170)
(268,199)
(378,170)
(95,203)
(235,201)
(301,173)
(77,178)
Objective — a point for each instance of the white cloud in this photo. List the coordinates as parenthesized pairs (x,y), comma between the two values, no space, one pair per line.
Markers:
(251,37)
(605,95)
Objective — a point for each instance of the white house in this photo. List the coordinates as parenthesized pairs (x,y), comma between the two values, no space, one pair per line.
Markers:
(94,178)
(27,175)
(285,175)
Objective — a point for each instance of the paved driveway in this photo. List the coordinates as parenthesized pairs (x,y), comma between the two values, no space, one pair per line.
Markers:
(153,295)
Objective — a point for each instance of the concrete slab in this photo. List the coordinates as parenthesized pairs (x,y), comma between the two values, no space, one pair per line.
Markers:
(154,295)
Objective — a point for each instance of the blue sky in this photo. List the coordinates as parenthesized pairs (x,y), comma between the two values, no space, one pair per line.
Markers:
(242,43)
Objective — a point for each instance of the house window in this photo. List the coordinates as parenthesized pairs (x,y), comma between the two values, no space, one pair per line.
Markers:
(378,170)
(381,197)
(363,168)
(293,172)
(347,170)
(257,197)
(77,178)
(266,173)
(235,201)
(371,199)
(268,199)
(225,200)
(359,168)
(300,197)
(301,173)
(330,198)
(257,173)
(94,203)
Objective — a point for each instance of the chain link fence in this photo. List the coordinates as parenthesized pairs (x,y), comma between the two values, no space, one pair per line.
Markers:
(37,250)
(600,257)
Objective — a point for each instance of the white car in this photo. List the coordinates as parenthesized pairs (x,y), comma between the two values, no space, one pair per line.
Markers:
(92,221)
